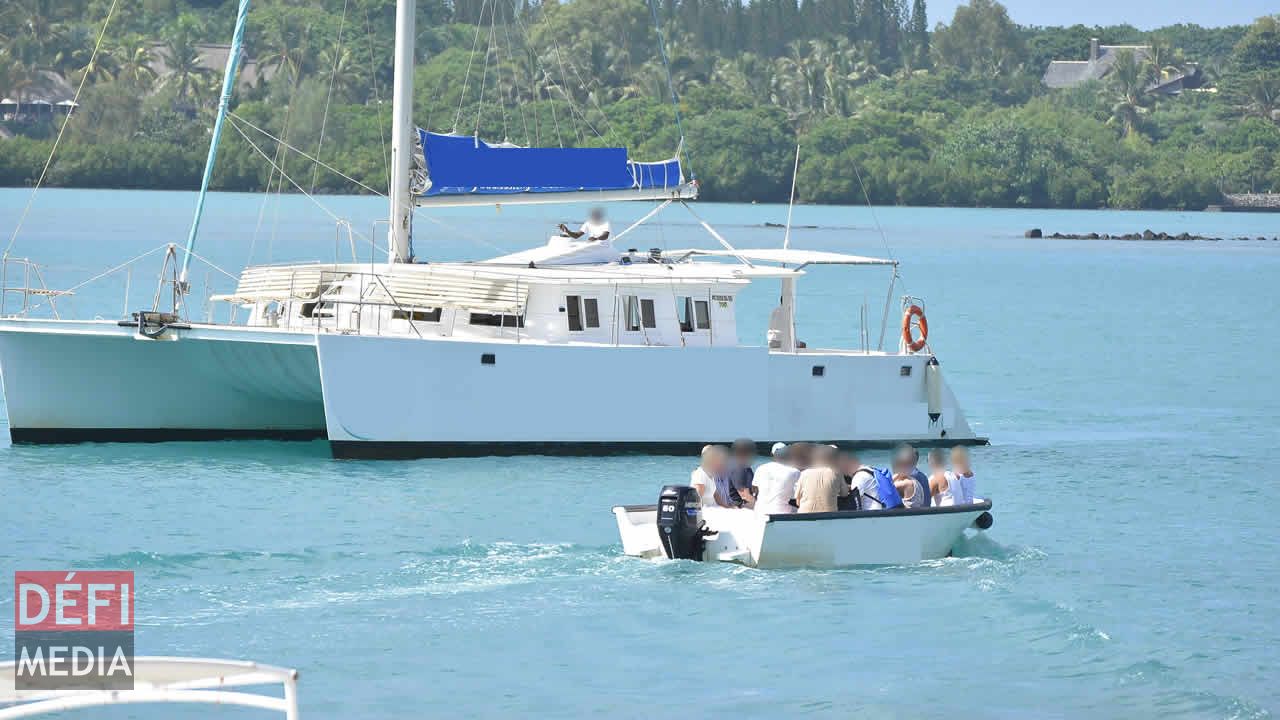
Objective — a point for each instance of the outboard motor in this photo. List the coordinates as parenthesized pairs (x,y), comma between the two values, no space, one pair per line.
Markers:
(680,525)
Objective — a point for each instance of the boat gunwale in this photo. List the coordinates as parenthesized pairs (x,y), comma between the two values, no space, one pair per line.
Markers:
(984,506)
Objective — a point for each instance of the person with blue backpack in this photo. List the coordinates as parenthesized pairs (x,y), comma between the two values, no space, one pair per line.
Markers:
(872,486)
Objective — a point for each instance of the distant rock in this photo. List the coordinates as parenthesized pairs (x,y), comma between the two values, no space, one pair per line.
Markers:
(1147,234)
(1033,233)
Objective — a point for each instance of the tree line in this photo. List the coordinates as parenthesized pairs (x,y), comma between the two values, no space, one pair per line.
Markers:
(885,103)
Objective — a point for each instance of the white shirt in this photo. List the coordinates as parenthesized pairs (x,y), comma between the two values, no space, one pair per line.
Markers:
(963,488)
(775,486)
(946,498)
(592,229)
(706,486)
(865,481)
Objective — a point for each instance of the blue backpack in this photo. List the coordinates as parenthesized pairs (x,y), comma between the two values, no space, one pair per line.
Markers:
(886,492)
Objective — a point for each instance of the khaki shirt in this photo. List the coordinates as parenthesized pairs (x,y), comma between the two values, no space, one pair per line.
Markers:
(819,490)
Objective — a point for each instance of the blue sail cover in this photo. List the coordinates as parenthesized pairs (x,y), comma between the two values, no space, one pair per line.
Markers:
(465,165)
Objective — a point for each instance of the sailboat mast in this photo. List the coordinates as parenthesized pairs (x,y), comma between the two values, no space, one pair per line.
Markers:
(402,145)
(224,103)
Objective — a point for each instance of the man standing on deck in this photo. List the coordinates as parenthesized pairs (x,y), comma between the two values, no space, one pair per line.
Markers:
(776,483)
(596,228)
(741,476)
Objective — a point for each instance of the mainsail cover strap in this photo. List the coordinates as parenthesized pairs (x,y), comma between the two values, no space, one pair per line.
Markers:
(467,165)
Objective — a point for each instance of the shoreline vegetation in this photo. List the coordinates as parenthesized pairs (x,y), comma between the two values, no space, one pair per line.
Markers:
(886,108)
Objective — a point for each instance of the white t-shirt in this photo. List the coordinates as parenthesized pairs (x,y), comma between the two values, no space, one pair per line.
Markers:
(706,486)
(947,498)
(592,229)
(775,486)
(865,481)
(963,488)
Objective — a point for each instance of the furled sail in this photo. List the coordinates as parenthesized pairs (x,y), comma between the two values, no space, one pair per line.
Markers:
(463,169)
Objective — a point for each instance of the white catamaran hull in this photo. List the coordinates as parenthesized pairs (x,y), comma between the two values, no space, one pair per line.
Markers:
(72,381)
(839,539)
(467,397)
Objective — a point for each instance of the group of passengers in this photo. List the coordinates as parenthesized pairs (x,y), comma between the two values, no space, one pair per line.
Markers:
(806,477)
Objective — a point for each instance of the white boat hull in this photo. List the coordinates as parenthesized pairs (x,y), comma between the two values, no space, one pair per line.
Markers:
(470,397)
(75,381)
(839,539)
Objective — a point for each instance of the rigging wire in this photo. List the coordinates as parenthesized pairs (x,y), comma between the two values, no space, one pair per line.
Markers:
(466,77)
(884,240)
(106,272)
(299,187)
(515,81)
(328,98)
(318,162)
(537,60)
(93,57)
(675,99)
(377,101)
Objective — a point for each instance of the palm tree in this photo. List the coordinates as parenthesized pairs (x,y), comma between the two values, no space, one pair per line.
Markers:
(748,74)
(288,49)
(344,77)
(135,66)
(1163,61)
(17,76)
(1128,82)
(38,20)
(186,71)
(1261,97)
(846,66)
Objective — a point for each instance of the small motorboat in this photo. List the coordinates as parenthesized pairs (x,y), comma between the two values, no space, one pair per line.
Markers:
(679,528)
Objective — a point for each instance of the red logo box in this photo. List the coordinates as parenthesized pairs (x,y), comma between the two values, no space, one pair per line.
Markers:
(73,601)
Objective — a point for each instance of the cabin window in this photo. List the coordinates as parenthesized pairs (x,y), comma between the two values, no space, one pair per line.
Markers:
(631,312)
(573,304)
(647,314)
(432,315)
(702,314)
(497,320)
(583,313)
(684,313)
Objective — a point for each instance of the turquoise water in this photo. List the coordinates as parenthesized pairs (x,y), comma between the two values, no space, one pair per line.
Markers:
(1128,389)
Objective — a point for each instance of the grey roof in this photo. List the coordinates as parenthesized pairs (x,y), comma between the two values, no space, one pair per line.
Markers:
(1069,73)
(213,57)
(48,86)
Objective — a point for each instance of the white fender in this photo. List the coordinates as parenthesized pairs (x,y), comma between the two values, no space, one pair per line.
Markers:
(933,388)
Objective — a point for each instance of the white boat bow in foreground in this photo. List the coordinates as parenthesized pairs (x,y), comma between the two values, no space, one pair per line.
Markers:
(162,680)
(678,528)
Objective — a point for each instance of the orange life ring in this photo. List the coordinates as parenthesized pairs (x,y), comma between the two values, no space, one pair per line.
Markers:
(908,338)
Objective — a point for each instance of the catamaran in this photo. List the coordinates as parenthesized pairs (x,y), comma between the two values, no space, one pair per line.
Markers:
(511,354)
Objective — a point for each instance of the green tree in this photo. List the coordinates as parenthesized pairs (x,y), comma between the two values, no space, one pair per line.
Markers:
(135,67)
(1260,96)
(1259,49)
(920,35)
(1128,82)
(186,72)
(981,39)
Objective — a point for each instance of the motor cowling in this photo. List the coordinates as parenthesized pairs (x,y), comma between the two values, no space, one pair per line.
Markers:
(680,525)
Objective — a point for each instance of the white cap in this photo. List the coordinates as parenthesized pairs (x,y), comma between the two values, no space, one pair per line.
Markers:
(777,448)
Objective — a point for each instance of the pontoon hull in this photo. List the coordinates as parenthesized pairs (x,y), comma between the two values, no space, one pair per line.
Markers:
(76,381)
(479,398)
(840,539)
